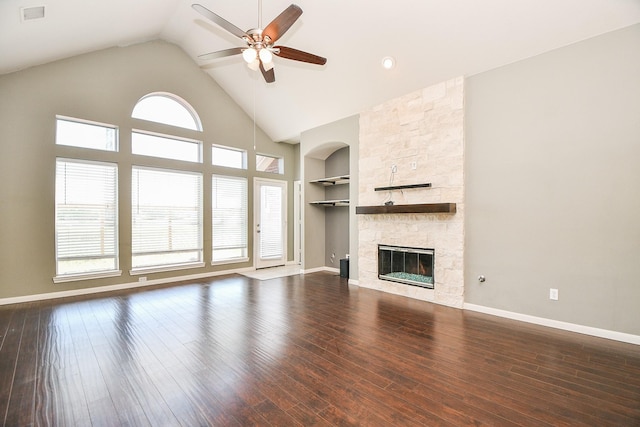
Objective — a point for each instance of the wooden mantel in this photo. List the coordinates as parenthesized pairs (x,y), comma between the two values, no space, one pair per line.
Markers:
(399,209)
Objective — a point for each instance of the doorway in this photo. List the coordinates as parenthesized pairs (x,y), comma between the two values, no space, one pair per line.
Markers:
(270,219)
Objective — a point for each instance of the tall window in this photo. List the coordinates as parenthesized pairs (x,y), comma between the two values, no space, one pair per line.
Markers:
(86,217)
(166,216)
(229,211)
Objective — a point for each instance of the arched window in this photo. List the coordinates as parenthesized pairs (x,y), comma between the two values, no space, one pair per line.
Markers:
(168,109)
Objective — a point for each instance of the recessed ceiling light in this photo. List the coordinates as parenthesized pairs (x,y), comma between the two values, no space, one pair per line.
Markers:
(388,62)
(32,12)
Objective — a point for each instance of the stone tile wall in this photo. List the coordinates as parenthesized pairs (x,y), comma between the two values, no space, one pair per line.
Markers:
(425,128)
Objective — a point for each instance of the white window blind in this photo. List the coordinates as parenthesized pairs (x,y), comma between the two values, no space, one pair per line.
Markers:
(229,212)
(166,218)
(86,217)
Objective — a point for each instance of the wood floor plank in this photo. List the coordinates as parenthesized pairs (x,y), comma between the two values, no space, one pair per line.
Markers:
(9,358)
(21,407)
(305,350)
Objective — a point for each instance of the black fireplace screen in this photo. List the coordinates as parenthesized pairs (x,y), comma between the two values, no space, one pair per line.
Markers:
(413,266)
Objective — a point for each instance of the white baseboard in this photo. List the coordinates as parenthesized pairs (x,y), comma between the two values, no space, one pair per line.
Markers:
(354,282)
(108,288)
(572,327)
(317,269)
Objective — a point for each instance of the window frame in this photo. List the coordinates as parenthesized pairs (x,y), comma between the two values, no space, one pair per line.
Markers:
(199,143)
(242,151)
(271,156)
(245,215)
(69,277)
(177,100)
(76,120)
(139,270)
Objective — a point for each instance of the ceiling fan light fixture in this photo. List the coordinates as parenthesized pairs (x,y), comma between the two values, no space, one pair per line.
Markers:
(249,55)
(388,62)
(265,56)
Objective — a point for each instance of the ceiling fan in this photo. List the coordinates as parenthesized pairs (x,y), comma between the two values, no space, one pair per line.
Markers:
(260,42)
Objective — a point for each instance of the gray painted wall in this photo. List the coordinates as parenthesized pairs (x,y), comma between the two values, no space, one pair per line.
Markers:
(103,86)
(552,174)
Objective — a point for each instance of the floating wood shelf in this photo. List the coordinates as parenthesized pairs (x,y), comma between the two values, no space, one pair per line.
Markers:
(331,203)
(334,180)
(398,209)
(403,187)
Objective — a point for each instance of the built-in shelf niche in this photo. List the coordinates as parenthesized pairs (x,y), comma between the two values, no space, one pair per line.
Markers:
(330,182)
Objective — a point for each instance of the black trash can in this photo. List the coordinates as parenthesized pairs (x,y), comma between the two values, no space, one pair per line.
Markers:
(344,268)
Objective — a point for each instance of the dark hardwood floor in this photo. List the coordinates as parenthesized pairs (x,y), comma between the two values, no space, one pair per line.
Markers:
(301,350)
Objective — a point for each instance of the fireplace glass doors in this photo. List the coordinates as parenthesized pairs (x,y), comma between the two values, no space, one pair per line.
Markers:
(413,266)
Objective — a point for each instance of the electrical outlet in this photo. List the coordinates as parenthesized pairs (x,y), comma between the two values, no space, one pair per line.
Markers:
(553,294)
(142,279)
(414,165)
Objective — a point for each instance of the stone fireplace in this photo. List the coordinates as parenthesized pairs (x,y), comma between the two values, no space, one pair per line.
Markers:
(415,146)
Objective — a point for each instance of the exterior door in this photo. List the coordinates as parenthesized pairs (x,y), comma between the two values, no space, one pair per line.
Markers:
(270,219)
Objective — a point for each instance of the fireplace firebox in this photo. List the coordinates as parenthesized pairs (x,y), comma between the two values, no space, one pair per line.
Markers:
(412,266)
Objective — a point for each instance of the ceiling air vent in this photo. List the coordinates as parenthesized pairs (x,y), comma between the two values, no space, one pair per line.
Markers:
(31,13)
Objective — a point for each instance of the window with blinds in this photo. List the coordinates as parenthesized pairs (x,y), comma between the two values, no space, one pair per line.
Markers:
(229,213)
(86,217)
(166,218)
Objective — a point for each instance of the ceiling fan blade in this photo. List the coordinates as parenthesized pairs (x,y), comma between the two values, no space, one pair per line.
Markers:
(269,75)
(221,53)
(219,20)
(282,22)
(298,55)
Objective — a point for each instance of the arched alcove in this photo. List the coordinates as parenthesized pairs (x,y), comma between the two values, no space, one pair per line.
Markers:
(330,151)
(327,174)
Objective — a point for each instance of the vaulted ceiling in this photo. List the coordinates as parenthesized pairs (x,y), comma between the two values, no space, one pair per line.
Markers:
(431,40)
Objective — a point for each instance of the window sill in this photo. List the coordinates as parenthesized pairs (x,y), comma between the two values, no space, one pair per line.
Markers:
(164,268)
(86,276)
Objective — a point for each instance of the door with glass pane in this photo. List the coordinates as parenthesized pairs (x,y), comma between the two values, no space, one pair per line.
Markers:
(270,222)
